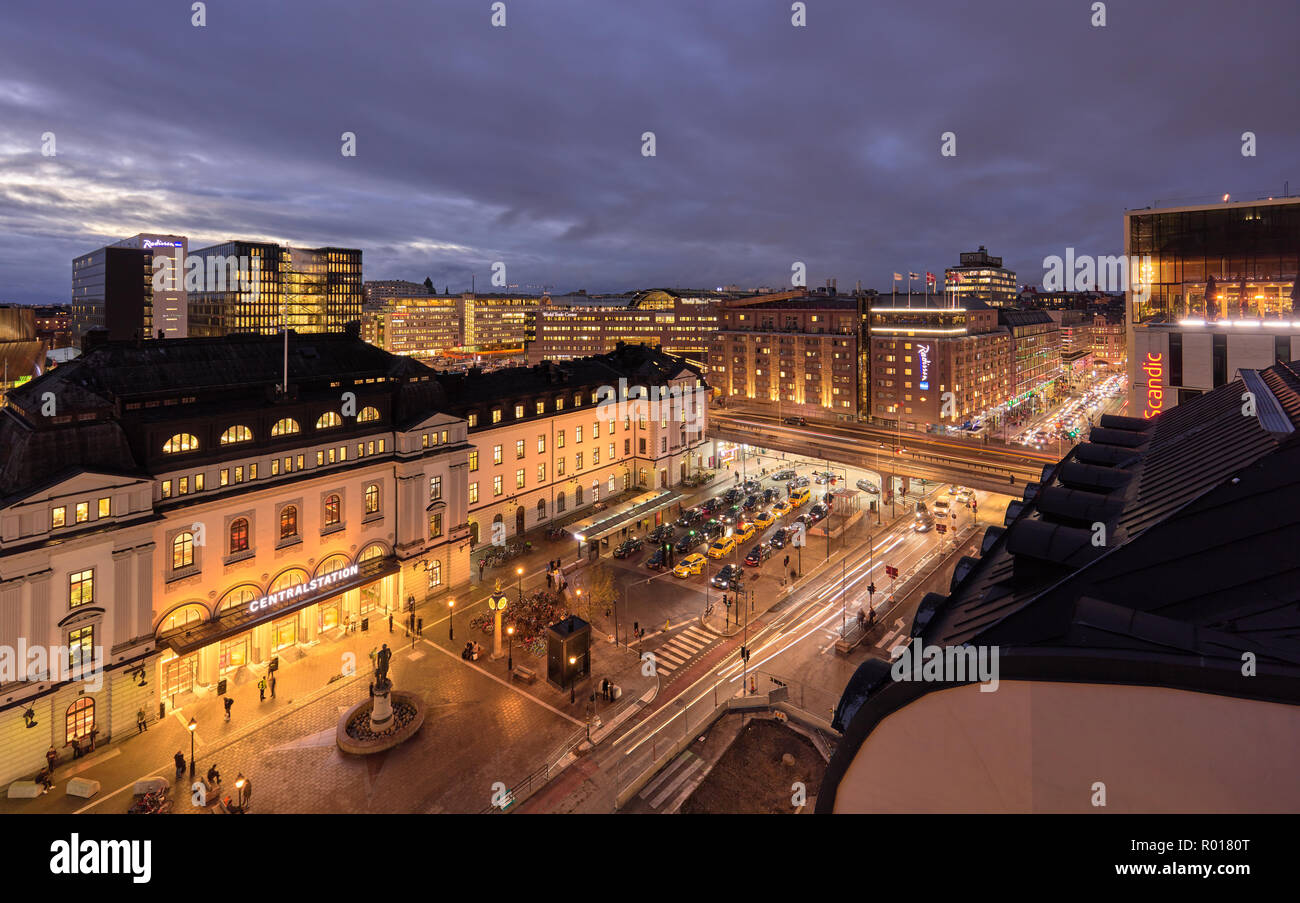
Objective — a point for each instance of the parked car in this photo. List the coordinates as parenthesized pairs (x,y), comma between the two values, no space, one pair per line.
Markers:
(662,533)
(796,483)
(721,547)
(712,529)
(731,496)
(627,547)
(817,512)
(691,564)
(782,508)
(710,505)
(750,503)
(787,474)
(733,515)
(690,517)
(750,485)
(795,421)
(779,538)
(758,554)
(965,495)
(868,487)
(742,532)
(825,476)
(769,495)
(689,540)
(764,519)
(658,561)
(725,576)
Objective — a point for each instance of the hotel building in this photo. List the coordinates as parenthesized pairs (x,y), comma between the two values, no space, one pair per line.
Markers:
(181,511)
(434,325)
(981,277)
(305,289)
(1035,353)
(920,353)
(170,301)
(1217,295)
(545,446)
(790,353)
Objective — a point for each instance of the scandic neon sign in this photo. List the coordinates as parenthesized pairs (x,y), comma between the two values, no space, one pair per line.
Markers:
(303,589)
(1154,368)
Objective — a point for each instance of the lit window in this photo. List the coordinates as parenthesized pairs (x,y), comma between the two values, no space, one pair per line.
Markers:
(238,535)
(288,522)
(496,485)
(181,442)
(83,512)
(81,588)
(333,510)
(236,434)
(473,493)
(368,414)
(182,550)
(104,507)
(328,420)
(473,461)
(372,498)
(285,427)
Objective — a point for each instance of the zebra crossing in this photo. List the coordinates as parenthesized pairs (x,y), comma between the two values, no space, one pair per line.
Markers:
(676,780)
(675,653)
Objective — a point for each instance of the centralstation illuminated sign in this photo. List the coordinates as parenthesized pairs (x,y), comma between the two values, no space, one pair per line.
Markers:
(303,589)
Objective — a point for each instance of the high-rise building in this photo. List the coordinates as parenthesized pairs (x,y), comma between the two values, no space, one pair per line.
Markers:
(1215,292)
(1035,353)
(170,302)
(493,323)
(981,277)
(380,290)
(263,287)
(112,289)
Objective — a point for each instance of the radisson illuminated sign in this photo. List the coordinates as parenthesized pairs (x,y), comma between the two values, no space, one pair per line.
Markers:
(1154,368)
(923,355)
(303,589)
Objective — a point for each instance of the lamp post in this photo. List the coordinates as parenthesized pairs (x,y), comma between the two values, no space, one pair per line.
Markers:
(519,572)
(192,727)
(510,656)
(240,782)
(451,628)
(573,660)
(497,603)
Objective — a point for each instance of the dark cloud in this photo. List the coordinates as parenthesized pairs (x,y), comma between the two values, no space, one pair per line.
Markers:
(523,144)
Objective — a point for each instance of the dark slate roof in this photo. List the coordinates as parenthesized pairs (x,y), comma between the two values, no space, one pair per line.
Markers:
(1009,317)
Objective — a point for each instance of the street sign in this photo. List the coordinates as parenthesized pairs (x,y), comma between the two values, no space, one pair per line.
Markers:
(891,572)
(942,528)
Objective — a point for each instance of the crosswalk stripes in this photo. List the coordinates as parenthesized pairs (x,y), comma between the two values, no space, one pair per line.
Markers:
(683,647)
(671,779)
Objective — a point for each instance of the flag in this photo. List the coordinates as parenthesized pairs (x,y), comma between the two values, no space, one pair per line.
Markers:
(898,277)
(929,277)
(913,275)
(955,277)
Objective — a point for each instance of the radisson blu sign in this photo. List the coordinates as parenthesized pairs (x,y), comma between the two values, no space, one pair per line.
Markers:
(923,355)
(303,589)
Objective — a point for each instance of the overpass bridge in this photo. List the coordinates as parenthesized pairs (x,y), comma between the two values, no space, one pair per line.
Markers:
(991,467)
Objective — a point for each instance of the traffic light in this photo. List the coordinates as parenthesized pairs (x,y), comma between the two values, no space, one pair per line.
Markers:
(871,588)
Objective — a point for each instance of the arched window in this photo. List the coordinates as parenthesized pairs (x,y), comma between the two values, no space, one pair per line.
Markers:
(285,426)
(371,552)
(559,503)
(577,496)
(332,564)
(182,617)
(182,550)
(498,519)
(327,420)
(80,719)
(235,434)
(238,597)
(333,510)
(288,522)
(368,414)
(181,442)
(372,498)
(238,535)
(290,578)
(541,509)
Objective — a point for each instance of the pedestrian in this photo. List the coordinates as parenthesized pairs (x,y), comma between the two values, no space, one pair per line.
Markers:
(549,577)
(787,561)
(272,684)
(140,725)
(793,574)
(636,629)
(179,759)
(261,690)
(862,620)
(410,622)
(871,618)
(419,626)
(229,703)
(374,652)
(52,756)
(480,570)
(390,622)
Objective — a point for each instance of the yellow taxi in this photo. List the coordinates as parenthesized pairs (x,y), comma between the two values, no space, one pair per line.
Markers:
(722,548)
(691,564)
(800,496)
(764,519)
(782,508)
(742,532)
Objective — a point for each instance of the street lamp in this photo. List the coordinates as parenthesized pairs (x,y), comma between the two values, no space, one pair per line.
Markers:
(497,603)
(240,782)
(510,655)
(519,572)
(573,661)
(451,629)
(192,727)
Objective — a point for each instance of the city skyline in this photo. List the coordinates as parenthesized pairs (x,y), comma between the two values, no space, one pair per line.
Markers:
(461,162)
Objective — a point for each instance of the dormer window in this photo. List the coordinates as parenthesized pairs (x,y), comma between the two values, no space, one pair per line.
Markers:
(181,442)
(285,427)
(235,434)
(368,414)
(328,420)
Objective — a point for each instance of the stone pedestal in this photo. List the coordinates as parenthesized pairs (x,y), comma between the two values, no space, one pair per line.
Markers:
(381,714)
(496,636)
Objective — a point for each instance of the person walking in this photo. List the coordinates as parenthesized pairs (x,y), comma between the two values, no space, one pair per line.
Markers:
(272,684)
(374,659)
(179,759)
(419,626)
(140,724)
(390,622)
(52,756)
(229,702)
(480,570)
(261,690)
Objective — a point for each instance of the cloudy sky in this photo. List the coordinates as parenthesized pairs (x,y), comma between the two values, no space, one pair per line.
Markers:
(523,144)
